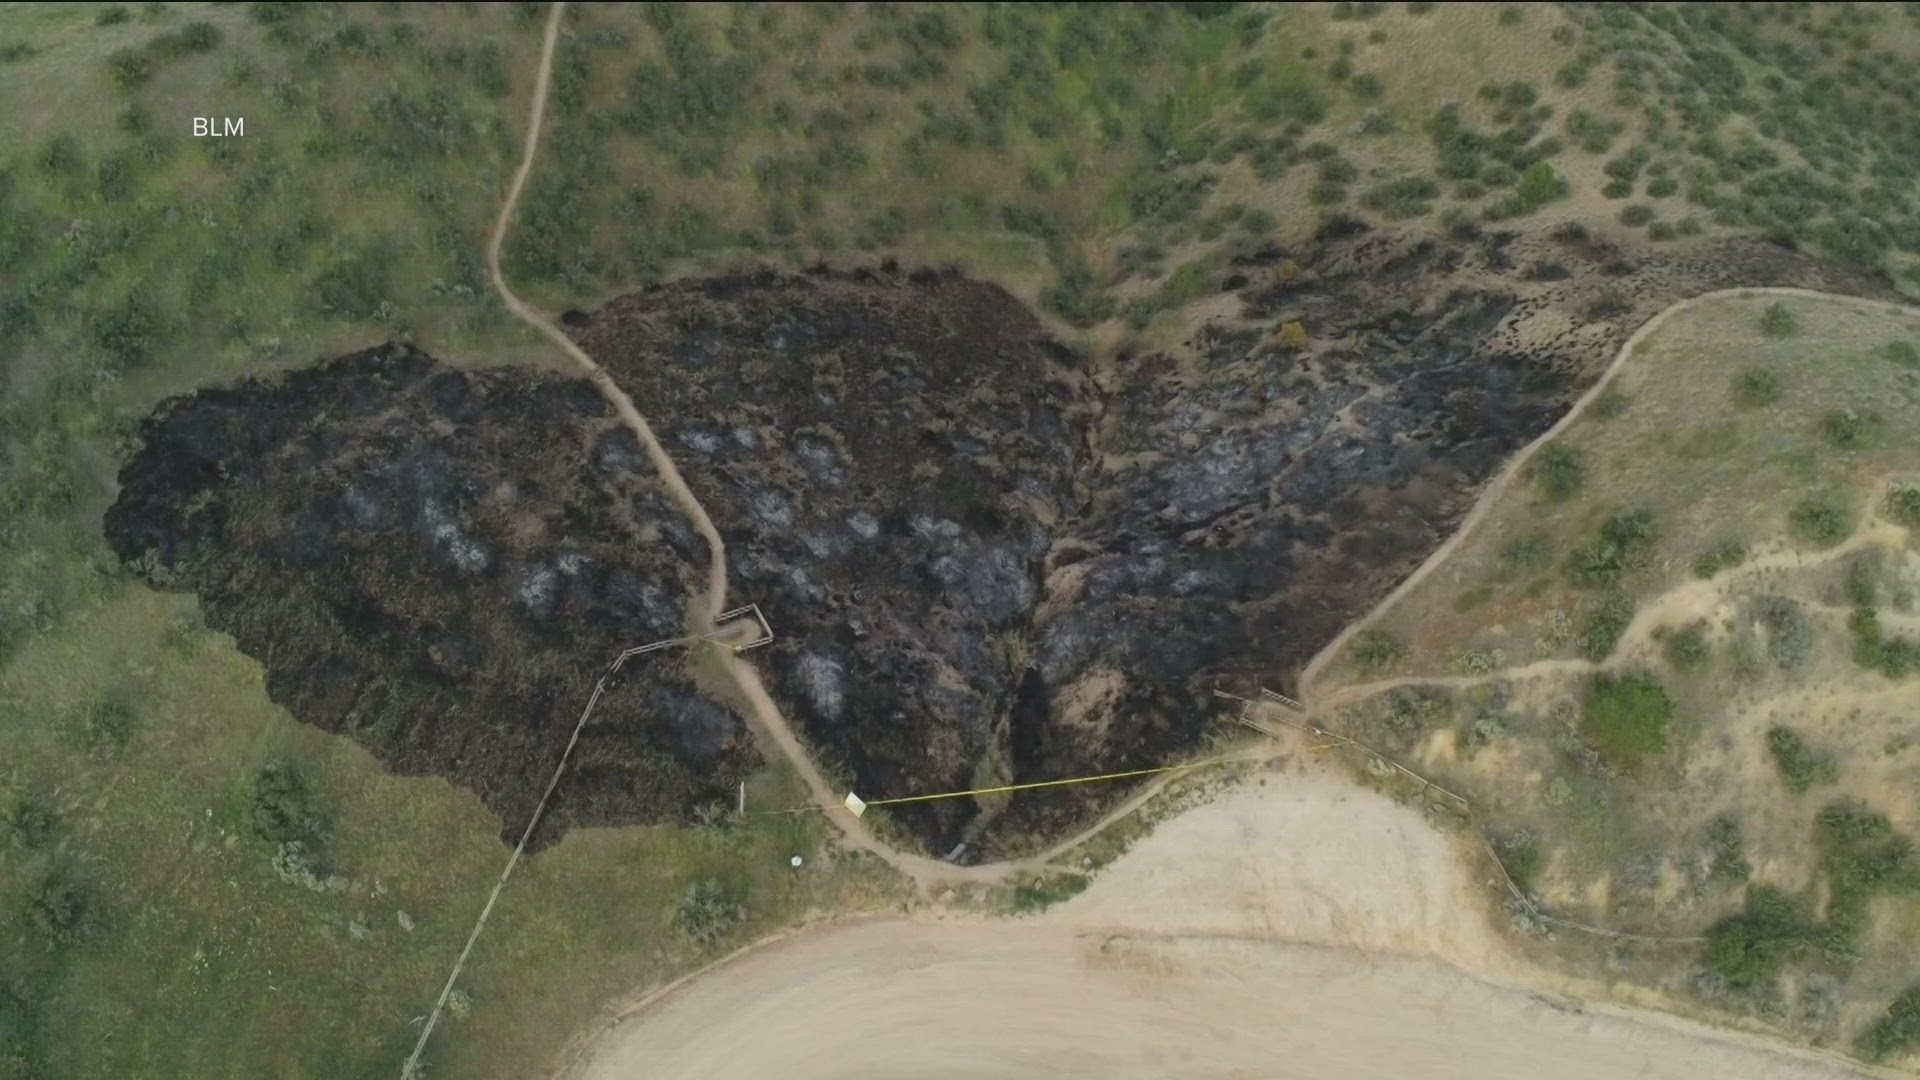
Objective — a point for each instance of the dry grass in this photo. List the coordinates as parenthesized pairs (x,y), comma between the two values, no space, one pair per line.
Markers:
(1629,847)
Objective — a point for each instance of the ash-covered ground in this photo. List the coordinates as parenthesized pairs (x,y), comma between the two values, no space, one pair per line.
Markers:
(439,564)
(986,556)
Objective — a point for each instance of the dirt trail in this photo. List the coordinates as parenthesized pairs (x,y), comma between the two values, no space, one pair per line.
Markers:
(1310,675)
(763,712)
(1677,604)
(716,598)
(1297,928)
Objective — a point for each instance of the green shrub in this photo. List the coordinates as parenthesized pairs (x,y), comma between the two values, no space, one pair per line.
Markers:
(1863,856)
(1904,353)
(1375,650)
(1800,765)
(1777,321)
(1625,541)
(106,725)
(1823,519)
(1408,197)
(354,286)
(1636,215)
(284,806)
(1750,948)
(1724,557)
(1685,647)
(1625,717)
(1327,193)
(129,67)
(1848,429)
(1600,626)
(1896,658)
(1617,189)
(1519,854)
(1755,388)
(1861,581)
(1608,406)
(1863,623)
(708,914)
(1539,185)
(1789,631)
(1036,894)
(1559,471)
(1898,1028)
(113,15)
(1727,847)
(29,820)
(195,37)
(64,908)
(1902,505)
(130,331)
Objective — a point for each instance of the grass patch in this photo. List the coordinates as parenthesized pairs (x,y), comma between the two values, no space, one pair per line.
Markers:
(1610,405)
(1472,598)
(1558,471)
(1756,388)
(1625,718)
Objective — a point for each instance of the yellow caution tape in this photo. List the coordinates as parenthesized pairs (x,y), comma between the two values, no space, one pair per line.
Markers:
(1049,783)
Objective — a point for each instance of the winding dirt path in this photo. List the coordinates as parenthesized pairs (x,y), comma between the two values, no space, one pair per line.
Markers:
(1310,675)
(716,599)
(1667,607)
(763,712)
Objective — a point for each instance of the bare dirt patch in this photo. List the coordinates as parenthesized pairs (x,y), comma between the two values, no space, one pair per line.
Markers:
(1283,930)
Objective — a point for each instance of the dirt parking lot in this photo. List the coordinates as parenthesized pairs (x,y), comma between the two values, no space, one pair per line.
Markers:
(1294,927)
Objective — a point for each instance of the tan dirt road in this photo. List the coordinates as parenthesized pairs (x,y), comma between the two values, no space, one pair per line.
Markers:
(1296,929)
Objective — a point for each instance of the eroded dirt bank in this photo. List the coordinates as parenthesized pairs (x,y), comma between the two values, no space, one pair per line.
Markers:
(987,556)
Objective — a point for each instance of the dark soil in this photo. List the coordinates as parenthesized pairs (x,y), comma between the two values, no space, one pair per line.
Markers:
(984,556)
(439,565)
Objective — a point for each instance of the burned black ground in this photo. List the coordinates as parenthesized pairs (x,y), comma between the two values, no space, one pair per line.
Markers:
(987,557)
(439,565)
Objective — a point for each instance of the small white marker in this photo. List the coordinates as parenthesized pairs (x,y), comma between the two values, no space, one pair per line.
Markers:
(796,862)
(855,804)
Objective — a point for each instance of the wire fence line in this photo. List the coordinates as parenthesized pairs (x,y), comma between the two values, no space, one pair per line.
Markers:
(412,1067)
(1532,909)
